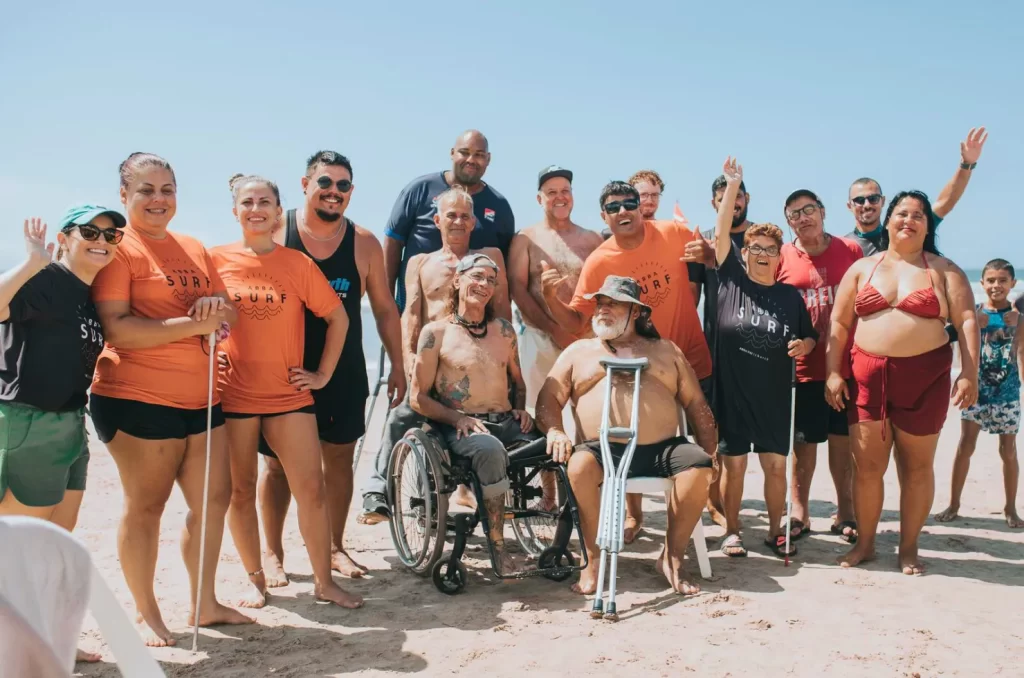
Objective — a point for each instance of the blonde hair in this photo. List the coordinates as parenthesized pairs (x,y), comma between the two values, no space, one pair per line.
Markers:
(767,230)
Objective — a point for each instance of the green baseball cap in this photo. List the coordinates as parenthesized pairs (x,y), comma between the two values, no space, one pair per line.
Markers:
(79,215)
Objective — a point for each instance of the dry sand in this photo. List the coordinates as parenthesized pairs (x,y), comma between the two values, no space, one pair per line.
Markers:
(756,617)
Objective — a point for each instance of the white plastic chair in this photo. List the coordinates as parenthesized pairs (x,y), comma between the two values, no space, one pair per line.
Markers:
(647,485)
(47,582)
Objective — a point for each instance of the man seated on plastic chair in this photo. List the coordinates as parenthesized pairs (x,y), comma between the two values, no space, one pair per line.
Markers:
(460,381)
(623,329)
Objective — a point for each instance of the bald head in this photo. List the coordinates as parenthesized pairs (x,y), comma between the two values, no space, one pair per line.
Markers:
(470,158)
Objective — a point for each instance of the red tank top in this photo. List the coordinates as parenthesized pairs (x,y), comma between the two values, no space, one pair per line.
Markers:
(923,303)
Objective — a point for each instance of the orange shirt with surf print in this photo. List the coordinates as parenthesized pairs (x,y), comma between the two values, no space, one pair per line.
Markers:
(664,286)
(160,278)
(271,292)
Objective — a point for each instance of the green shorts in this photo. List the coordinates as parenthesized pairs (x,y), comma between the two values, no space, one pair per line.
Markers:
(42,454)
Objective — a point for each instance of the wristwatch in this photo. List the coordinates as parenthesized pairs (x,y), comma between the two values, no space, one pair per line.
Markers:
(967,166)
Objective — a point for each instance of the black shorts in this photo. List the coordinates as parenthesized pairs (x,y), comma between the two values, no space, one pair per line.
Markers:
(815,418)
(339,419)
(658,460)
(148,421)
(732,445)
(308,409)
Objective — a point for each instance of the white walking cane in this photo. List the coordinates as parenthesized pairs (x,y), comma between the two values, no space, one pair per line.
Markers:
(790,459)
(212,341)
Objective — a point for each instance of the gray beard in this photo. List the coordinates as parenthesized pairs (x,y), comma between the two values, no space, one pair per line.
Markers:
(608,332)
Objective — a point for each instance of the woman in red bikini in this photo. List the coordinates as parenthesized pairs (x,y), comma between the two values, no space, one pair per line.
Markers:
(898,302)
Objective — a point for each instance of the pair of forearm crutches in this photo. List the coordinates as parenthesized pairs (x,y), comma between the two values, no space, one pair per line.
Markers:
(611,523)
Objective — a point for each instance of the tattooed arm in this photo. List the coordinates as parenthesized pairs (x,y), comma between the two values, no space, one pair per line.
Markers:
(551,400)
(515,368)
(424,376)
(691,398)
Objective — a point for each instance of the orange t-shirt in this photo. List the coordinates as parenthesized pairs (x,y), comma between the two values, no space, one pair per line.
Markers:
(161,279)
(271,292)
(664,286)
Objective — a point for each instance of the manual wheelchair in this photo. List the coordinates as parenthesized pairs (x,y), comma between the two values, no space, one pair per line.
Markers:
(421,476)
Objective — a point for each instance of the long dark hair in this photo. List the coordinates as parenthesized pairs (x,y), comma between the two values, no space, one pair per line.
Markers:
(929,239)
(645,327)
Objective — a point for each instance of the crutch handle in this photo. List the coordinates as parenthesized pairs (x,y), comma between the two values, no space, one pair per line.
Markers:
(624,363)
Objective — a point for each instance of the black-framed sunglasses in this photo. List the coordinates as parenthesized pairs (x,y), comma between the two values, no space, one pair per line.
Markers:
(326,182)
(771,250)
(93,233)
(873,199)
(806,209)
(629,204)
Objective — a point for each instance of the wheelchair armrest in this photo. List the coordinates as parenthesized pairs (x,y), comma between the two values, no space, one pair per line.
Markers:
(533,450)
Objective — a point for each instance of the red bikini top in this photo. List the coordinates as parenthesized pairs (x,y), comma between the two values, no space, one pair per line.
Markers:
(923,303)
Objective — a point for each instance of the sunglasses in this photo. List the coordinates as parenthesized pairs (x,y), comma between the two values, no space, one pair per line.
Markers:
(771,250)
(326,182)
(629,204)
(873,199)
(93,233)
(806,209)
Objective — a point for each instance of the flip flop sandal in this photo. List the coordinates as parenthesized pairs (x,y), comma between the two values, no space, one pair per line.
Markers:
(839,529)
(801,530)
(733,541)
(778,545)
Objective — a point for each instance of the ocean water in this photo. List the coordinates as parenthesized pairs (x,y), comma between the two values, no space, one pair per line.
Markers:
(372,345)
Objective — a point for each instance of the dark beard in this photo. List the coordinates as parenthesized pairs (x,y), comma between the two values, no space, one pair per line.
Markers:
(464,181)
(327,216)
(739,218)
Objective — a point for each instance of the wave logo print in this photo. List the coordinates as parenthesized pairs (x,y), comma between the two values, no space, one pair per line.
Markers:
(655,282)
(341,286)
(761,330)
(259,297)
(187,281)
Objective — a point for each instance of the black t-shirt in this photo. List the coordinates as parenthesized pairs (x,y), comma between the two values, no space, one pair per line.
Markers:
(753,371)
(50,343)
(707,279)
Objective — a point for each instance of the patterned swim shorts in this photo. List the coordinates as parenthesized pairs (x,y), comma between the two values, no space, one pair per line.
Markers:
(997,418)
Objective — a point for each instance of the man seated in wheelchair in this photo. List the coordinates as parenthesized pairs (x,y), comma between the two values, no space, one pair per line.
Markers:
(623,329)
(460,381)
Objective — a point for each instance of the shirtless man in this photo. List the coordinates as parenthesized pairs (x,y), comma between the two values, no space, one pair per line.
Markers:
(624,330)
(564,246)
(428,284)
(460,380)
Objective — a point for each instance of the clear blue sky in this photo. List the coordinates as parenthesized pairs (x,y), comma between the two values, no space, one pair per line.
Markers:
(807,94)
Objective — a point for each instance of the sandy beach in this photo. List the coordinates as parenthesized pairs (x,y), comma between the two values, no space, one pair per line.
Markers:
(963,618)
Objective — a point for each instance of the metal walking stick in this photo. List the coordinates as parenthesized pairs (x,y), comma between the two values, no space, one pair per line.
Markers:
(212,342)
(369,412)
(790,459)
(612,521)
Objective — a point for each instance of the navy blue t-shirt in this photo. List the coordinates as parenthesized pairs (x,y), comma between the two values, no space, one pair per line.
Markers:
(412,222)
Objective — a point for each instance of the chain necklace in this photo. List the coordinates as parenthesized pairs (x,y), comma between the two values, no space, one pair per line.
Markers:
(305,228)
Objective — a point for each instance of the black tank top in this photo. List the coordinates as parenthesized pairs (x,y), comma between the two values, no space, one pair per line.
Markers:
(343,274)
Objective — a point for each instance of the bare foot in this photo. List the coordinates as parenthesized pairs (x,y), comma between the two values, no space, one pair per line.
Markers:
(341,562)
(505,560)
(587,583)
(951,513)
(156,634)
(632,530)
(213,615)
(463,497)
(861,553)
(332,593)
(1012,519)
(716,515)
(273,570)
(257,595)
(672,568)
(87,657)
(909,562)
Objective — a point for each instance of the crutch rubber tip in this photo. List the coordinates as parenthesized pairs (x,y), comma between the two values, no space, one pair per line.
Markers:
(611,614)
(598,611)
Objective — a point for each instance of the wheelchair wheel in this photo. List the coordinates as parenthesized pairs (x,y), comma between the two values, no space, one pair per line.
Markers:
(451,583)
(534,533)
(556,557)
(419,507)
